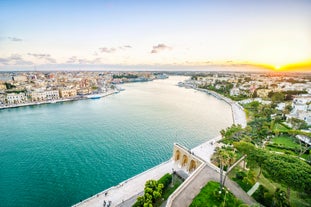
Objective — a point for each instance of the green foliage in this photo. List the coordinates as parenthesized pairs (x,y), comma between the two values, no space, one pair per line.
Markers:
(166,180)
(9,85)
(245,180)
(223,87)
(125,76)
(239,97)
(289,171)
(276,97)
(233,133)
(289,95)
(284,169)
(153,191)
(298,124)
(262,196)
(280,199)
(211,196)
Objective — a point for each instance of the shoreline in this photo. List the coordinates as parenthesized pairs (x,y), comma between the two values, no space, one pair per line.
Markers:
(238,114)
(54,101)
(203,151)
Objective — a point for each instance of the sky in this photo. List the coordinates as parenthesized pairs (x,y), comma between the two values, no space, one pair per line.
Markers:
(116,34)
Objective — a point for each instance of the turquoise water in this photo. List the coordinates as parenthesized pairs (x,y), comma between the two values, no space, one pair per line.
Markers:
(58,154)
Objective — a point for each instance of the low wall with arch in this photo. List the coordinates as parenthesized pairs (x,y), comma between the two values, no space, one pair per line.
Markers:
(185,159)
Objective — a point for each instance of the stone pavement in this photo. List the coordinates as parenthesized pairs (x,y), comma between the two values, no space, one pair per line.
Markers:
(206,150)
(128,190)
(253,189)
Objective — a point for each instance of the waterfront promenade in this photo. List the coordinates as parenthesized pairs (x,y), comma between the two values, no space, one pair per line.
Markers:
(53,101)
(128,190)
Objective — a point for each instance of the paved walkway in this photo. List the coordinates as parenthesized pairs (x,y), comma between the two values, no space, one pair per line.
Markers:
(206,150)
(253,189)
(130,189)
(184,198)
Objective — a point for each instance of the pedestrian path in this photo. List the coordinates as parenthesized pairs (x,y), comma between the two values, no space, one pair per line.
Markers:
(129,189)
(253,189)
(206,150)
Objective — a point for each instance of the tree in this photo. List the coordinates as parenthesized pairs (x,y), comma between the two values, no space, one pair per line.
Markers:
(289,171)
(303,146)
(255,157)
(280,198)
(284,169)
(152,192)
(297,123)
(223,158)
(277,97)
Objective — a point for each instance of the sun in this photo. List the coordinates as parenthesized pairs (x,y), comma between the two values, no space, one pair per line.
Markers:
(277,67)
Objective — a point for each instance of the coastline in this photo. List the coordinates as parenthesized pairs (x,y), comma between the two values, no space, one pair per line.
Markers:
(238,114)
(203,151)
(54,101)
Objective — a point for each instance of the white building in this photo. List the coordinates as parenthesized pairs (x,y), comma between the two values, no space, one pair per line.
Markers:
(44,95)
(280,106)
(234,92)
(37,96)
(52,95)
(16,98)
(302,108)
(20,78)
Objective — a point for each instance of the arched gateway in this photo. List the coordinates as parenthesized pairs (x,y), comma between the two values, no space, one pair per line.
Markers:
(185,158)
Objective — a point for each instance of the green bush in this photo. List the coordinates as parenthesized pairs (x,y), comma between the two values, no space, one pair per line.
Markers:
(166,179)
(240,175)
(262,196)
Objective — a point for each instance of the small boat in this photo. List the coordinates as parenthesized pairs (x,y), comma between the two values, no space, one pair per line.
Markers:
(93,96)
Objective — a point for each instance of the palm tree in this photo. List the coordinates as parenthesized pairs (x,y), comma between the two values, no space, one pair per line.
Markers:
(223,158)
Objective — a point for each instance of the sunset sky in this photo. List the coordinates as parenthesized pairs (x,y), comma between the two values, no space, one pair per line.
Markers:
(154,34)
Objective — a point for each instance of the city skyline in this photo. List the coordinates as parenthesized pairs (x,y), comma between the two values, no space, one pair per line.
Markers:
(155,35)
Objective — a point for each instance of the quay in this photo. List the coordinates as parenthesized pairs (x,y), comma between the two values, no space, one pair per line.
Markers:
(53,101)
(126,193)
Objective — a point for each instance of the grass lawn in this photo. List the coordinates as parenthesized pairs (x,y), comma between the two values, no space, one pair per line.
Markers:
(280,150)
(280,127)
(297,199)
(209,196)
(169,190)
(286,141)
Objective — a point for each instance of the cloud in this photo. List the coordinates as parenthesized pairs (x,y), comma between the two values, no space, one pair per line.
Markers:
(114,49)
(107,50)
(46,57)
(159,48)
(15,39)
(40,56)
(15,59)
(76,60)
(51,60)
(126,47)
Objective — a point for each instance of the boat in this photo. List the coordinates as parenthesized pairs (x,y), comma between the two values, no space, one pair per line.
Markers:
(94,96)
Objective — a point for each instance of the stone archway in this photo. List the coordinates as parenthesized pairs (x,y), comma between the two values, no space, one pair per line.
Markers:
(192,166)
(184,160)
(177,155)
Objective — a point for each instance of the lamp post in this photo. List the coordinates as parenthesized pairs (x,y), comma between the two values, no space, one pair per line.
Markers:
(225,198)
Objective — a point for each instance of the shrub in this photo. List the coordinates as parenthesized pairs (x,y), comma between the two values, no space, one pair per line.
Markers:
(166,179)
(240,175)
